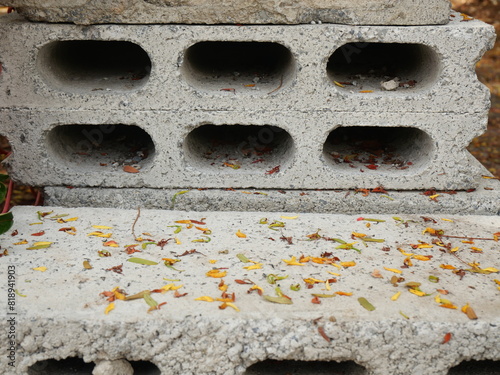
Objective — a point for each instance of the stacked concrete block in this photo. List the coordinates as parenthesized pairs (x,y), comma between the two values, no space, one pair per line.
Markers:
(265,107)
(366,12)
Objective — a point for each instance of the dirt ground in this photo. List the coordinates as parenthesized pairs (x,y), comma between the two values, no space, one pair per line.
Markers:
(485,148)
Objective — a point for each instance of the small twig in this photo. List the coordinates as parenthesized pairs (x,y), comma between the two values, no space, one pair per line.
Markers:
(38,198)
(469,238)
(135,221)
(277,88)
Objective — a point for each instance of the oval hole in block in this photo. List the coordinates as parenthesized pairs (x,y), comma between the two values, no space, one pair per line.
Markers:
(485,367)
(71,365)
(238,148)
(94,66)
(251,68)
(102,148)
(145,368)
(363,66)
(376,149)
(274,367)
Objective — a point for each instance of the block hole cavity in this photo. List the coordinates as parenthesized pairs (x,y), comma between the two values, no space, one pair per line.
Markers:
(94,66)
(145,368)
(485,367)
(375,149)
(238,148)
(274,367)
(71,365)
(362,66)
(101,148)
(250,68)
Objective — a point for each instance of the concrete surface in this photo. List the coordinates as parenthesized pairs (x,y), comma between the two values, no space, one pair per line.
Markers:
(367,12)
(243,68)
(485,200)
(60,312)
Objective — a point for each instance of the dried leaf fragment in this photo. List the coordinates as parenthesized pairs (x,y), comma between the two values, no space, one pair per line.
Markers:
(130,169)
(367,305)
(142,261)
(469,311)
(281,300)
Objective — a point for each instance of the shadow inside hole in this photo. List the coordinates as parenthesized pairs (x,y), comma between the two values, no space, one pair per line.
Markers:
(145,368)
(101,147)
(363,66)
(238,67)
(486,367)
(238,148)
(94,65)
(72,365)
(378,149)
(274,367)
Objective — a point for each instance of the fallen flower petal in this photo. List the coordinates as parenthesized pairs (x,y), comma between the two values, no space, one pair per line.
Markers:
(110,307)
(42,269)
(205,298)
(241,234)
(393,270)
(216,273)
(293,262)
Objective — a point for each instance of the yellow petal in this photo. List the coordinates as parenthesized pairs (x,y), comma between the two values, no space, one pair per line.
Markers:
(289,217)
(43,269)
(255,266)
(204,298)
(212,261)
(421,257)
(216,273)
(110,244)
(110,307)
(447,267)
(359,235)
(241,234)
(334,273)
(98,226)
(23,242)
(293,262)
(72,219)
(393,270)
(347,264)
(417,292)
(100,234)
(396,296)
(230,304)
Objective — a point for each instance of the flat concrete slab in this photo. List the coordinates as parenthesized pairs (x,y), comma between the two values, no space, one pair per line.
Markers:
(367,12)
(416,271)
(484,200)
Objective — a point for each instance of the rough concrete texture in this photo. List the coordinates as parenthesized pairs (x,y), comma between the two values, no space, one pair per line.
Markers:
(244,68)
(316,150)
(361,12)
(60,310)
(485,200)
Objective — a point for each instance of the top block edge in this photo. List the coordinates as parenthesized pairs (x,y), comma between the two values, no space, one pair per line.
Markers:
(349,12)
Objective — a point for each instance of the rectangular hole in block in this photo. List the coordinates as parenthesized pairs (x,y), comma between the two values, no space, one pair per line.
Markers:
(275,367)
(255,68)
(238,148)
(485,367)
(70,365)
(375,149)
(364,66)
(101,147)
(94,66)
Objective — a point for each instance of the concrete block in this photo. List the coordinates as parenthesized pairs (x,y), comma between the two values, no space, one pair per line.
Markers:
(264,150)
(60,312)
(485,200)
(243,68)
(367,12)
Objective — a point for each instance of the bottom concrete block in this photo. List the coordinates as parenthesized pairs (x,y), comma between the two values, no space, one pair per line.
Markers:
(234,292)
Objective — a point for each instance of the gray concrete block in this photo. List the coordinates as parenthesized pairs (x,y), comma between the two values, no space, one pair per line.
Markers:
(60,312)
(243,68)
(264,150)
(483,201)
(367,12)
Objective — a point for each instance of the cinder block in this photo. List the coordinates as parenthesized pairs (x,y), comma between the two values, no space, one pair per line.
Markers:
(60,312)
(243,68)
(264,150)
(359,12)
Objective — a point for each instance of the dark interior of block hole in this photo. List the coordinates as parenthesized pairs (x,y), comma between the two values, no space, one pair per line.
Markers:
(72,365)
(238,148)
(101,147)
(274,367)
(363,66)
(94,66)
(375,149)
(256,68)
(75,365)
(486,367)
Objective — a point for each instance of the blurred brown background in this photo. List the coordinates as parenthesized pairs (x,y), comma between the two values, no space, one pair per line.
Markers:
(485,148)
